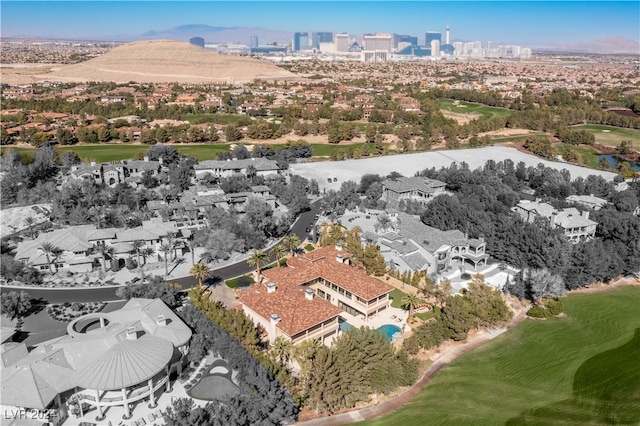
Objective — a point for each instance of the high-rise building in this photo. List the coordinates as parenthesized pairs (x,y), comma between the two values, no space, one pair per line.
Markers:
(400,38)
(435,47)
(429,36)
(342,42)
(301,41)
(253,41)
(372,56)
(321,37)
(377,41)
(197,41)
(446,38)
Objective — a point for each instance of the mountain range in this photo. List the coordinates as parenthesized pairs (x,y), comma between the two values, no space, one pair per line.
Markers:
(241,35)
(217,34)
(614,45)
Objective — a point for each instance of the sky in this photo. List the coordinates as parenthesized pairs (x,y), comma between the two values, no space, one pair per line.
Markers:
(513,22)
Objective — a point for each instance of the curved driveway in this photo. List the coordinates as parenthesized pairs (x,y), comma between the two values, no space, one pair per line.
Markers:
(103,294)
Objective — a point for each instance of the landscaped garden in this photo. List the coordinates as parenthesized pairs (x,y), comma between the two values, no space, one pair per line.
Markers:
(213,383)
(473,108)
(580,368)
(240,282)
(70,311)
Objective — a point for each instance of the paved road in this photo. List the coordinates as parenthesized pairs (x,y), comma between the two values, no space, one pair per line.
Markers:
(100,294)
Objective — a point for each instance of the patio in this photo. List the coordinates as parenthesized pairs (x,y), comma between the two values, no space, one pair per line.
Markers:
(141,413)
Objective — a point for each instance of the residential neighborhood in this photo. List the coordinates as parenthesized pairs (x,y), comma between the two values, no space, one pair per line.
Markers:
(200,233)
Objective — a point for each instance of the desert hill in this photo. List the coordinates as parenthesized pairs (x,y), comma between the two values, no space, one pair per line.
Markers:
(160,61)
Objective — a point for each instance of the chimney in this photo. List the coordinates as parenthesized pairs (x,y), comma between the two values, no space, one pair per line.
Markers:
(131,333)
(93,164)
(146,158)
(271,287)
(308,294)
(340,258)
(338,246)
(585,214)
(160,160)
(274,320)
(161,320)
(554,216)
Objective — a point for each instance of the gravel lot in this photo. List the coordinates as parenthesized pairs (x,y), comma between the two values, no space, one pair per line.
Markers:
(409,164)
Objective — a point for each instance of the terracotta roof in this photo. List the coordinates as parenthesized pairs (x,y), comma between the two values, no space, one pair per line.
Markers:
(324,264)
(289,303)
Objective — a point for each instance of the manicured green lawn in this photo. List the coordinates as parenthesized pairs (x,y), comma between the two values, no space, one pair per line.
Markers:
(468,107)
(609,135)
(574,370)
(243,281)
(115,152)
(590,154)
(396,296)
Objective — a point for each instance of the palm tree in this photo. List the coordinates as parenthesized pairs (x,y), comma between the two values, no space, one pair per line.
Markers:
(30,221)
(166,249)
(137,245)
(410,301)
(279,252)
(105,250)
(192,248)
(49,249)
(200,272)
(258,258)
(282,348)
(208,257)
(292,241)
(146,252)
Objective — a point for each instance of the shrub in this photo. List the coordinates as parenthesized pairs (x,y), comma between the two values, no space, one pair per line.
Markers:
(537,312)
(465,276)
(554,306)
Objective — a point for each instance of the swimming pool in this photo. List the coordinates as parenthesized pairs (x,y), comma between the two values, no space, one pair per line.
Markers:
(389,330)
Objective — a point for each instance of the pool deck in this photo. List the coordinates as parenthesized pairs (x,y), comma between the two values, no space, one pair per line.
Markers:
(380,319)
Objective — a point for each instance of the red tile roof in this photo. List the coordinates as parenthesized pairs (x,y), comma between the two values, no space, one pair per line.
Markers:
(295,311)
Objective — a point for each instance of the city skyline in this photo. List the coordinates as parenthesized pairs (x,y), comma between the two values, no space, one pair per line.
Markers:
(510,22)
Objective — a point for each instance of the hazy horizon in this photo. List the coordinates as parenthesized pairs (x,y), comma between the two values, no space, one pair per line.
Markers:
(511,22)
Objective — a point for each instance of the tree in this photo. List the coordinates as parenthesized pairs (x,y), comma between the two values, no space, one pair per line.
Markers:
(232,133)
(65,137)
(30,221)
(409,302)
(16,305)
(542,282)
(282,349)
(457,316)
(166,248)
(200,272)
(279,251)
(292,241)
(49,250)
(137,246)
(156,288)
(258,258)
(146,252)
(105,251)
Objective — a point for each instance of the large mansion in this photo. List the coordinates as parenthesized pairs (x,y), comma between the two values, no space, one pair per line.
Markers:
(306,299)
(576,226)
(105,360)
(418,189)
(410,245)
(77,249)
